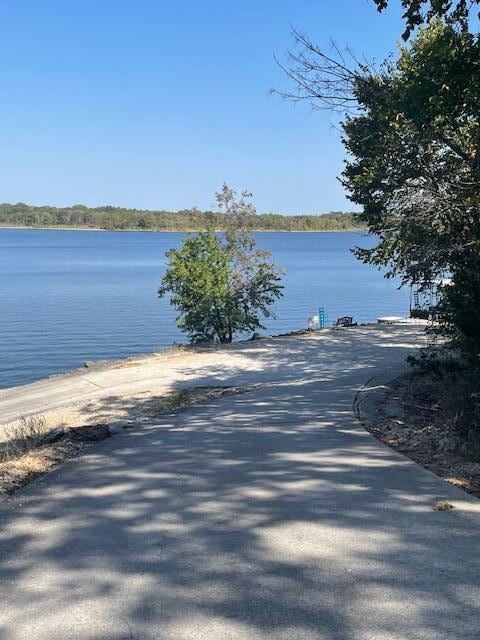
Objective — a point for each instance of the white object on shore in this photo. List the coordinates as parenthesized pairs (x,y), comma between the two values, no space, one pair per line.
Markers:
(390,319)
(399,320)
(314,323)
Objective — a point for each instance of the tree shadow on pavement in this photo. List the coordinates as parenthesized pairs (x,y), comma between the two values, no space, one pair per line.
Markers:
(267,515)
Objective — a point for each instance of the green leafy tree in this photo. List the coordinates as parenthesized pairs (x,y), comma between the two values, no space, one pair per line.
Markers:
(415,168)
(419,12)
(222,285)
(412,130)
(457,315)
(415,156)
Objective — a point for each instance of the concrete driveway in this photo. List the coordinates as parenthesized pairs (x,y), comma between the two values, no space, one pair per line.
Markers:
(270,515)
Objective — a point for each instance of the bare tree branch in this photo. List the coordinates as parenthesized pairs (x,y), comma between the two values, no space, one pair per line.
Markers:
(326,81)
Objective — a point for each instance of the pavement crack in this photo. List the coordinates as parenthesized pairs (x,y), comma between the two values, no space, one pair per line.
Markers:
(95,384)
(130,636)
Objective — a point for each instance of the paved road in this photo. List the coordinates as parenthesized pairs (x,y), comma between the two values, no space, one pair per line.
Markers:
(239,363)
(97,390)
(265,516)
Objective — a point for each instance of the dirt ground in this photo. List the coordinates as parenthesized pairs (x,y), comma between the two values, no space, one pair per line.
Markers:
(416,418)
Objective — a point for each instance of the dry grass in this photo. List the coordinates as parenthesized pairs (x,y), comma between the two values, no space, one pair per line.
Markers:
(16,472)
(436,424)
(22,437)
(24,454)
(443,505)
(452,401)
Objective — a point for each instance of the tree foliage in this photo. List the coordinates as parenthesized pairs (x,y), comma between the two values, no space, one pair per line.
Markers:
(419,12)
(412,131)
(222,285)
(457,315)
(415,168)
(415,155)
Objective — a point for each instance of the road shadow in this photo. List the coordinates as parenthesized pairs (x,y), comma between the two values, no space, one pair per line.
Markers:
(267,515)
(323,356)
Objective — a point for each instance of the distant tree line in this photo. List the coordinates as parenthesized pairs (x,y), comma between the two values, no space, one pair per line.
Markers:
(118,218)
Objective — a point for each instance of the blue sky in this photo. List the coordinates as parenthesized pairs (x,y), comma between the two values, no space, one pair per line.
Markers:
(153,104)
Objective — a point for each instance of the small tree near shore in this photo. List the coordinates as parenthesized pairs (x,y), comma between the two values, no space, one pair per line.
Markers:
(222,285)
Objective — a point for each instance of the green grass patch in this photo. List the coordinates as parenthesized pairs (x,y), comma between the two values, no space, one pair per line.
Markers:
(189,396)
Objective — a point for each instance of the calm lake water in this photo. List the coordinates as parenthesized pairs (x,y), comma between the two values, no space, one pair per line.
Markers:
(71,296)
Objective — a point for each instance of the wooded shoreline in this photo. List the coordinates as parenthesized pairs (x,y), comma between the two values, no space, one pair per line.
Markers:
(111,218)
(65,228)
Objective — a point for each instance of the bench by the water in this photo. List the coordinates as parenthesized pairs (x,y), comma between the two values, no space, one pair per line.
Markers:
(344,321)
